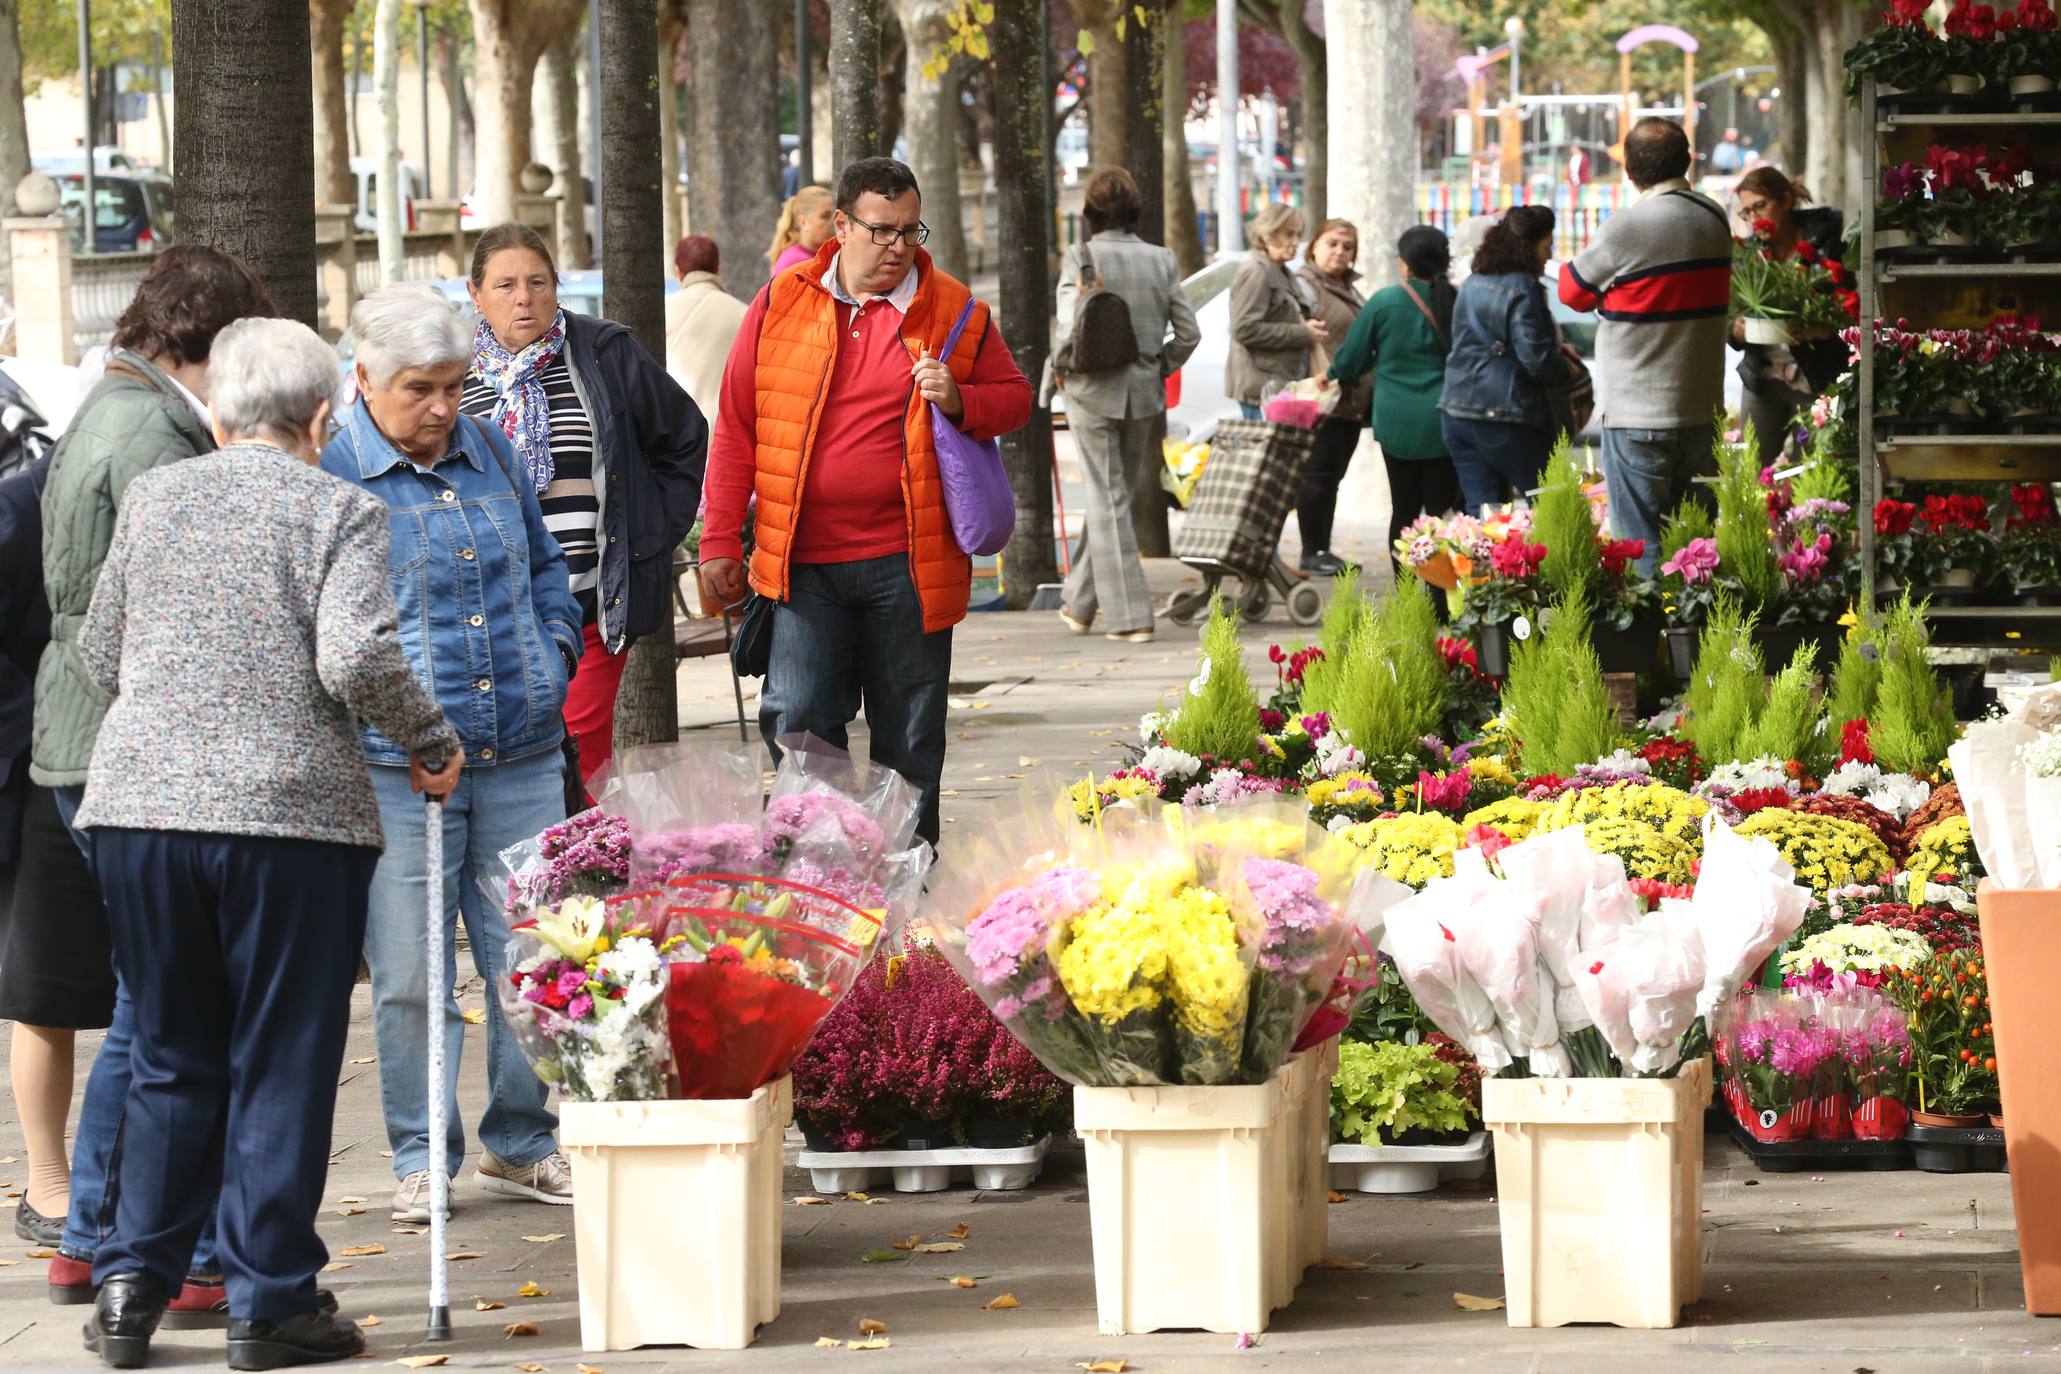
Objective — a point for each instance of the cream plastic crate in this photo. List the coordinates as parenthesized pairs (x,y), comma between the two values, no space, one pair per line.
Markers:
(1317,1068)
(1194,1204)
(1600,1186)
(677,1218)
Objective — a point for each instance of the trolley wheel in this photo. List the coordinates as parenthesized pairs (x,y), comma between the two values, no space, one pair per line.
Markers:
(1254,600)
(1188,608)
(1305,604)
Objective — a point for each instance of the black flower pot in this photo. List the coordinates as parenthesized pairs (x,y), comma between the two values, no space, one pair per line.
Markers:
(1964,682)
(1779,643)
(934,1134)
(1943,595)
(987,1132)
(1631,649)
(1681,649)
(816,1134)
(1492,650)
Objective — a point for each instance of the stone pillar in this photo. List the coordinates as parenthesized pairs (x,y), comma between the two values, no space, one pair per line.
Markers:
(336,267)
(42,249)
(454,259)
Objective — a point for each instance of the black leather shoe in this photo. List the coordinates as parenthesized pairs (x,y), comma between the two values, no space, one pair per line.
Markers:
(307,1338)
(1322,564)
(37,1229)
(216,1314)
(125,1317)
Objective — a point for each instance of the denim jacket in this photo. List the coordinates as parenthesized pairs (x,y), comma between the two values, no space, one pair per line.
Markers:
(1505,352)
(487,616)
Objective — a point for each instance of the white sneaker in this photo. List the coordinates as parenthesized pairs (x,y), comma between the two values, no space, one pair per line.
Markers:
(411,1199)
(548,1180)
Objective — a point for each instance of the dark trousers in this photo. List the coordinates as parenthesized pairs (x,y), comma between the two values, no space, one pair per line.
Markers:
(238,953)
(1316,504)
(1417,486)
(1495,460)
(851,634)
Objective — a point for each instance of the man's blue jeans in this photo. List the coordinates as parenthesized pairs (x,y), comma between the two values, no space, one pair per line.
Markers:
(1649,471)
(97,1139)
(852,633)
(491,809)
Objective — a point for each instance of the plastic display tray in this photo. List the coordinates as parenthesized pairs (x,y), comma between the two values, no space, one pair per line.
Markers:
(1407,1168)
(1802,1156)
(925,1171)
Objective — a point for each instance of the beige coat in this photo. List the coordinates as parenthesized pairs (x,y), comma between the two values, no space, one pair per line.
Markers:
(702,319)
(1268,340)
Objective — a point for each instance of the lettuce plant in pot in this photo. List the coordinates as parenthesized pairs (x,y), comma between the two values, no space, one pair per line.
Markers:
(1903,56)
(1395,1094)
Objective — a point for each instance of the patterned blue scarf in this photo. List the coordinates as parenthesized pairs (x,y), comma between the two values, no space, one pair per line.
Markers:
(523,411)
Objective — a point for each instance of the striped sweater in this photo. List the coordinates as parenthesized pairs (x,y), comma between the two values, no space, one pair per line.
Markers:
(1660,275)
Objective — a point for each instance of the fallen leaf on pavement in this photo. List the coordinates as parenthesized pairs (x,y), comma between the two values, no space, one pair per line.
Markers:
(908,1243)
(422,1361)
(545,1239)
(869,1327)
(456,1255)
(487,1305)
(475,1016)
(8,1264)
(368,1321)
(871,1343)
(354,1251)
(530,1290)
(368,1059)
(939,1247)
(963,1281)
(959,1232)
(1467,1302)
(514,1329)
(1105,1366)
(1349,1266)
(829,1343)
(1001,1304)
(812,1202)
(530,1369)
(588,1369)
(411,1230)
(348,1201)
(1337,1196)
(350,1211)
(856,1197)
(878,1201)
(333,1266)
(42,1254)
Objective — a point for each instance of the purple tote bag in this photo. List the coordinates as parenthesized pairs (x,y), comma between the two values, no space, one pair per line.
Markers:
(977,494)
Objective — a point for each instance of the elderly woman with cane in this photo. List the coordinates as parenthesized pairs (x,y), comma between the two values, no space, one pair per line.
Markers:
(243,623)
(491,626)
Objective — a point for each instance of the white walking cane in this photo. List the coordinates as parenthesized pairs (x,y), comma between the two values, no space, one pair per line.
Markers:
(439,989)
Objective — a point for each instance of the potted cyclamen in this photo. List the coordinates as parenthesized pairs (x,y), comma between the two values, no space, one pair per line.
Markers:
(1504,605)
(1689,582)
(1907,63)
(1906,218)
(2028,49)
(1628,618)
(1971,31)
(1896,546)
(1956,551)
(2030,552)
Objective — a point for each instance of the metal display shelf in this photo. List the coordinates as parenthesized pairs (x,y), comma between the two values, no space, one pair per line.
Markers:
(1943,457)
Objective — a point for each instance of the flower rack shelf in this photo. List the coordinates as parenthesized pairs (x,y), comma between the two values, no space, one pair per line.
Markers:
(1894,121)
(1970,458)
(1886,272)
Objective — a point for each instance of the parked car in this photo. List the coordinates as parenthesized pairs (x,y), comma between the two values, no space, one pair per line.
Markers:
(365,172)
(132,213)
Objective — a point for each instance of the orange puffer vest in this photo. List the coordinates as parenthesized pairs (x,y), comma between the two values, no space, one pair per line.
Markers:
(798,343)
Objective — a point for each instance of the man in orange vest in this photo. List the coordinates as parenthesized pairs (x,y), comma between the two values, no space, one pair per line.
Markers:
(825,419)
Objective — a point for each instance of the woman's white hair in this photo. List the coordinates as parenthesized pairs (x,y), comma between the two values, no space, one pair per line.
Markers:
(407,324)
(268,378)
(1277,221)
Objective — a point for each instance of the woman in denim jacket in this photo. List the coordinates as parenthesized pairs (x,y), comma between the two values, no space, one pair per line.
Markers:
(1494,412)
(488,619)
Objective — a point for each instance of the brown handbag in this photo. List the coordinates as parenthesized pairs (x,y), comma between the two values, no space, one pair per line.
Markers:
(1103,339)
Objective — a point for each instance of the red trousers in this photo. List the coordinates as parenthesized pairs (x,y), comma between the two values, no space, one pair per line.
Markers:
(590,701)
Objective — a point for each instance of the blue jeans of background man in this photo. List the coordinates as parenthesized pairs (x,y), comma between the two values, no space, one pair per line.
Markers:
(492,808)
(1649,471)
(1493,458)
(238,955)
(97,1139)
(852,633)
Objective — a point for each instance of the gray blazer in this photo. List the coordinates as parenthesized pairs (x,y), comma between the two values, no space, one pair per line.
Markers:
(1148,279)
(1269,342)
(243,622)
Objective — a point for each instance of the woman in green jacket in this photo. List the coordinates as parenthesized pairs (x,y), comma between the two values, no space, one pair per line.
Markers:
(1402,336)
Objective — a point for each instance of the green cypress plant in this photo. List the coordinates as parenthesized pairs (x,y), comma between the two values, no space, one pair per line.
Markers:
(1554,699)
(1785,726)
(1389,689)
(1726,687)
(1914,714)
(1345,619)
(1745,551)
(1560,519)
(1690,520)
(1218,718)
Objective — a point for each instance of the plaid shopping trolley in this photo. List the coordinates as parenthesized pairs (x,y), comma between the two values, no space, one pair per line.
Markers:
(1234,522)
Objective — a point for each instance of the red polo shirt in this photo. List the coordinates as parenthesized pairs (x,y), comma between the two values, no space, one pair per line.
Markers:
(851,500)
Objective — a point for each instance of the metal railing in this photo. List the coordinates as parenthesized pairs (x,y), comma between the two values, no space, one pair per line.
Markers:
(418,260)
(102,286)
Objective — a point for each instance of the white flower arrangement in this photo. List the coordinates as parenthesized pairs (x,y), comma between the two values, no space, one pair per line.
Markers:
(1852,779)
(1169,764)
(1899,794)
(1860,949)
(1750,774)
(1336,755)
(2042,758)
(1151,726)
(1624,761)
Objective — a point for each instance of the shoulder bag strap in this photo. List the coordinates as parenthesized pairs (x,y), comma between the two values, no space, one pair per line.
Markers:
(1088,267)
(952,339)
(1704,205)
(1425,310)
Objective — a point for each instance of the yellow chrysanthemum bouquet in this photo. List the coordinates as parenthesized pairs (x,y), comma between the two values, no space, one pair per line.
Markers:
(1188,949)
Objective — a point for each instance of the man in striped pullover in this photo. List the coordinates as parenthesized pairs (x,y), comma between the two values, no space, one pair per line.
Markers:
(1660,274)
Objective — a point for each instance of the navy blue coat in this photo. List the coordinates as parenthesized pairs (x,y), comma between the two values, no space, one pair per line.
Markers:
(24,630)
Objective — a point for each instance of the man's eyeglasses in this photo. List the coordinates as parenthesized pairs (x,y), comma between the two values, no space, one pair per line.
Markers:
(884,235)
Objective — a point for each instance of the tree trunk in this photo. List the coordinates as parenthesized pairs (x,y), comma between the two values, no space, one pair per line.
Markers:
(1858,136)
(242,72)
(157,98)
(1373,125)
(459,131)
(669,27)
(1182,231)
(1144,44)
(1830,187)
(1791,75)
(356,78)
(14,132)
(386,70)
(1108,74)
(1022,102)
(333,181)
(1312,58)
(508,38)
(854,83)
(647,705)
(1819,118)
(894,69)
(733,136)
(561,85)
(930,114)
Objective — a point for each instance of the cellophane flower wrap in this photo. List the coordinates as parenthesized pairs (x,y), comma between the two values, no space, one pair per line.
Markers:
(585,999)
(586,856)
(765,912)
(1190,949)
(1543,957)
